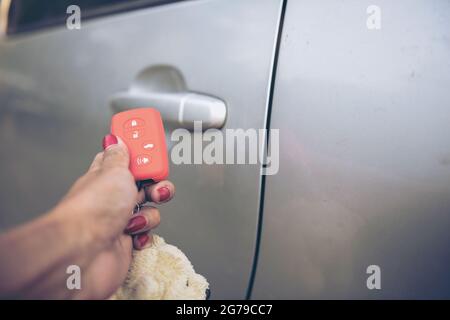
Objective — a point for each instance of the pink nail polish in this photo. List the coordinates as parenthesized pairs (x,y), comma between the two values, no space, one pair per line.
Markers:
(136,223)
(142,240)
(109,140)
(164,193)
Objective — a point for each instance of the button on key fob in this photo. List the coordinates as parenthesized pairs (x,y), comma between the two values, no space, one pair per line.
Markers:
(142,131)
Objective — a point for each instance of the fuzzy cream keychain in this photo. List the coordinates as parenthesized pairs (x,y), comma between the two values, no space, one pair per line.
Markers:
(161,272)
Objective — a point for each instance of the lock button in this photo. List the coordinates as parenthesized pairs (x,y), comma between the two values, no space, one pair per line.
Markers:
(134,123)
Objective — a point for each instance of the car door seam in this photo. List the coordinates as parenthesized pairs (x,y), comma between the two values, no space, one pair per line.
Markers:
(272,77)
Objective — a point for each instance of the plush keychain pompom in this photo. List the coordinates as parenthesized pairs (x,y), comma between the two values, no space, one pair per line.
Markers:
(161,272)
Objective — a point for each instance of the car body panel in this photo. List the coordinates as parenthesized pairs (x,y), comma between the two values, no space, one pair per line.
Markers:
(364,119)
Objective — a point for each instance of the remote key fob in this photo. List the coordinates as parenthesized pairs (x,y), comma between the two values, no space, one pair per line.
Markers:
(142,131)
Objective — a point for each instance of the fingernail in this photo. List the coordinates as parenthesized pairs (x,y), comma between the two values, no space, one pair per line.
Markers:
(164,193)
(109,140)
(136,223)
(142,240)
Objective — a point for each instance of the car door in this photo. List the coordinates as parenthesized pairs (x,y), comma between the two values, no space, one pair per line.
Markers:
(56,86)
(363,187)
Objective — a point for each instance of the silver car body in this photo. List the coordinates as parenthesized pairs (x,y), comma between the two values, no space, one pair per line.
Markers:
(364,119)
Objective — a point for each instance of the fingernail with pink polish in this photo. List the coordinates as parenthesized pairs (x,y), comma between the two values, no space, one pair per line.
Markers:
(135,224)
(142,240)
(164,193)
(109,140)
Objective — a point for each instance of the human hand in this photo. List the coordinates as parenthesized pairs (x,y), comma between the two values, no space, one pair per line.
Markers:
(99,205)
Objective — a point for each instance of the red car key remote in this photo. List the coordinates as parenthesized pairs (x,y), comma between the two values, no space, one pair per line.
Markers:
(142,131)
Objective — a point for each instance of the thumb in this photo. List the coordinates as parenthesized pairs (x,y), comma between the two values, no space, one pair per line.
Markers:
(115,152)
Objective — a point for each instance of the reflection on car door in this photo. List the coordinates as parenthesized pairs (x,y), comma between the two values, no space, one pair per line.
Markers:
(55,86)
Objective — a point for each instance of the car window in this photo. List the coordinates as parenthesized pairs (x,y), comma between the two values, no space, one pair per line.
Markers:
(29,15)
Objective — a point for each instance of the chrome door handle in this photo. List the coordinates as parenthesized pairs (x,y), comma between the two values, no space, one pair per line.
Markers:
(179,108)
